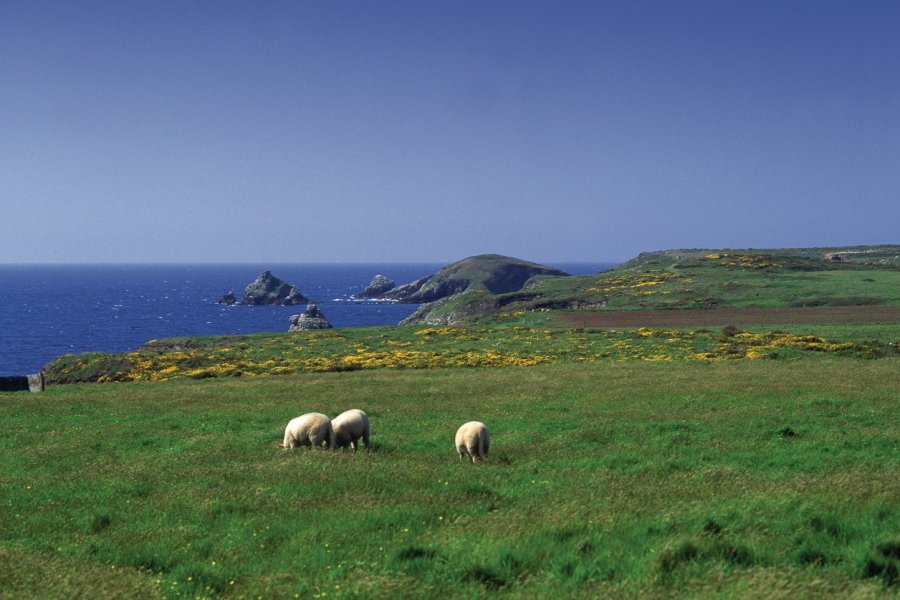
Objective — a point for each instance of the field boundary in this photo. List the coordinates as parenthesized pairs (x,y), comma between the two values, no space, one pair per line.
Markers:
(819,315)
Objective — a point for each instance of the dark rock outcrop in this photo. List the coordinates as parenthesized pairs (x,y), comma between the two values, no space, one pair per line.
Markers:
(268,289)
(491,272)
(228,299)
(14,384)
(310,319)
(378,287)
(294,298)
(427,289)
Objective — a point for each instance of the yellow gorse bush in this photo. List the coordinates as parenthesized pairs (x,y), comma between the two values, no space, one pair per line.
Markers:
(435,331)
(615,283)
(742,261)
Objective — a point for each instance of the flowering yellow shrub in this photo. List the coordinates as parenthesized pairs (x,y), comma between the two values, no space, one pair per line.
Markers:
(743,261)
(435,331)
(755,346)
(615,283)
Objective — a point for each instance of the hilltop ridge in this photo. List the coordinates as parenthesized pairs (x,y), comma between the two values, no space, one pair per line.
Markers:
(494,273)
(695,279)
(884,255)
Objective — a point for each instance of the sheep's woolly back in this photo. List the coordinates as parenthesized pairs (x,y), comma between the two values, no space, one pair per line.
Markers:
(310,429)
(349,426)
(473,438)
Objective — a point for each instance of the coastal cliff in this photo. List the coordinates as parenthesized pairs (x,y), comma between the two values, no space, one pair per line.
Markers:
(493,273)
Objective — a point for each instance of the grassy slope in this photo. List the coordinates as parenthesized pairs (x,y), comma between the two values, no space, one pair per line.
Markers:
(613,479)
(480,269)
(476,346)
(483,274)
(701,279)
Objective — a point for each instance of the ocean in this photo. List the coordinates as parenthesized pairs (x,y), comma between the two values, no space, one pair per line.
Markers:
(49,310)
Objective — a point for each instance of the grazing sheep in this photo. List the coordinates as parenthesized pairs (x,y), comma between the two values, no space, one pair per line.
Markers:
(473,439)
(311,429)
(349,426)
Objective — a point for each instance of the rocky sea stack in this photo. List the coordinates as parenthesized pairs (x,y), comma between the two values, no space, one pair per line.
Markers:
(228,299)
(310,319)
(377,287)
(268,289)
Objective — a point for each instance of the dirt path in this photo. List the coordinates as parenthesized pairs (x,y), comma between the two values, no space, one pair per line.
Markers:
(820,315)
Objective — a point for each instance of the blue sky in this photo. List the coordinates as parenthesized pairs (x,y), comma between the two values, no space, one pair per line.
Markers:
(428,131)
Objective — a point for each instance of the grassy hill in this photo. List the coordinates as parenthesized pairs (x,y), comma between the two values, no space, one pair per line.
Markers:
(491,273)
(690,279)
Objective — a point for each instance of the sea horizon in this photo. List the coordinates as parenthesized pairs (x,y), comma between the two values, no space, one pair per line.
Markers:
(277,263)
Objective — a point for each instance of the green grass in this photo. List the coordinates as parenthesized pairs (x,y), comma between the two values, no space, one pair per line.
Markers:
(727,281)
(817,288)
(735,479)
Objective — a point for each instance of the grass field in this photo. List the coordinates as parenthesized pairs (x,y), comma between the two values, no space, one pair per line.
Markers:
(722,317)
(728,479)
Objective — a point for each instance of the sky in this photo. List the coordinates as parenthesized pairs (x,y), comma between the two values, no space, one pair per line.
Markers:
(422,131)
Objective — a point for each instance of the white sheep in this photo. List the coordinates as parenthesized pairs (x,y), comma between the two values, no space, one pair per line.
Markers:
(473,439)
(349,426)
(311,429)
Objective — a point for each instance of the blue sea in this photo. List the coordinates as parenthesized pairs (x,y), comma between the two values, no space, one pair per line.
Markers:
(49,310)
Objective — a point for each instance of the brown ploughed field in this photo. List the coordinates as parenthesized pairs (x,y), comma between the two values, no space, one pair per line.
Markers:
(819,315)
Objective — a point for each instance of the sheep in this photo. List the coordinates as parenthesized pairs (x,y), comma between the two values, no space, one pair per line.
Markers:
(473,439)
(349,426)
(311,429)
